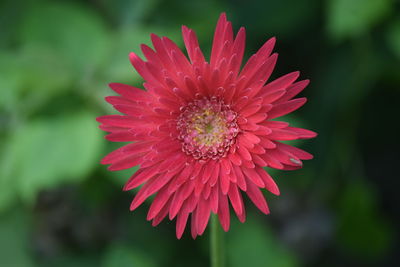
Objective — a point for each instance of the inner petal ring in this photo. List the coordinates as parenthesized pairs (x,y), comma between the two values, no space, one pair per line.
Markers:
(207,128)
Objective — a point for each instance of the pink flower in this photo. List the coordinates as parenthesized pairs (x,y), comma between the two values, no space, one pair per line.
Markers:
(203,131)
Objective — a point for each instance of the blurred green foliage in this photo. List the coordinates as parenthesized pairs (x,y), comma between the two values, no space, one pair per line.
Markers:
(256,245)
(48,148)
(356,17)
(59,207)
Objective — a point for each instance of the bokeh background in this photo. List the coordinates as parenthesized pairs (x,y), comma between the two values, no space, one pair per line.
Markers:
(60,207)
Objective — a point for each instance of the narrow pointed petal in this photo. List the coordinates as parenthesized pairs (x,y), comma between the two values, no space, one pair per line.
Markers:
(203,215)
(223,211)
(270,184)
(236,199)
(257,198)
(286,107)
(181,223)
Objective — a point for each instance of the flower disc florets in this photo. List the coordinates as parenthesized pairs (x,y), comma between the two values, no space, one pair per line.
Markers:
(207,128)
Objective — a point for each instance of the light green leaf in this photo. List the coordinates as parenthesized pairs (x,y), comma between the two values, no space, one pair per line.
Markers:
(255,245)
(48,152)
(129,12)
(14,243)
(361,228)
(348,18)
(10,80)
(76,33)
(119,68)
(31,76)
(393,37)
(124,256)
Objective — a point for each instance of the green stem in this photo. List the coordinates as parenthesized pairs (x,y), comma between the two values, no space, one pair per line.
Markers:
(216,243)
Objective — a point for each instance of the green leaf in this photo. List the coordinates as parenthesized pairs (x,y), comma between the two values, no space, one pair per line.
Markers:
(48,152)
(124,256)
(349,18)
(30,77)
(393,37)
(362,230)
(119,68)
(14,243)
(76,33)
(10,80)
(255,245)
(129,12)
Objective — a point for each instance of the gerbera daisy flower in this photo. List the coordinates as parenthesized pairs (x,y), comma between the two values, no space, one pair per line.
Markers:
(202,132)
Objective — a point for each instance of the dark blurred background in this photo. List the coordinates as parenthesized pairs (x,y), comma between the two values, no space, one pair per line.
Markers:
(60,207)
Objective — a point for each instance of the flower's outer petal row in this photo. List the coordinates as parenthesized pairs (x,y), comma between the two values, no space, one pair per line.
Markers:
(282,83)
(192,47)
(222,36)
(185,187)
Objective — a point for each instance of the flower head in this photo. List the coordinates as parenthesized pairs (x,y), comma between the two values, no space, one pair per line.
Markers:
(202,132)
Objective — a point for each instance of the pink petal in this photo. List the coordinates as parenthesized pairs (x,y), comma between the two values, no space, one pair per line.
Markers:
(258,117)
(293,90)
(143,194)
(224,182)
(181,178)
(236,199)
(271,161)
(253,176)
(259,161)
(179,197)
(158,203)
(140,177)
(181,223)
(223,211)
(282,83)
(270,184)
(192,45)
(257,198)
(241,182)
(219,40)
(119,100)
(214,198)
(199,187)
(238,49)
(283,134)
(243,152)
(203,214)
(121,136)
(262,73)
(258,58)
(251,137)
(276,124)
(193,225)
(302,133)
(270,97)
(131,93)
(143,69)
(257,149)
(208,170)
(267,143)
(161,215)
(126,163)
(151,55)
(118,120)
(215,175)
(235,159)
(250,110)
(286,107)
(295,151)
